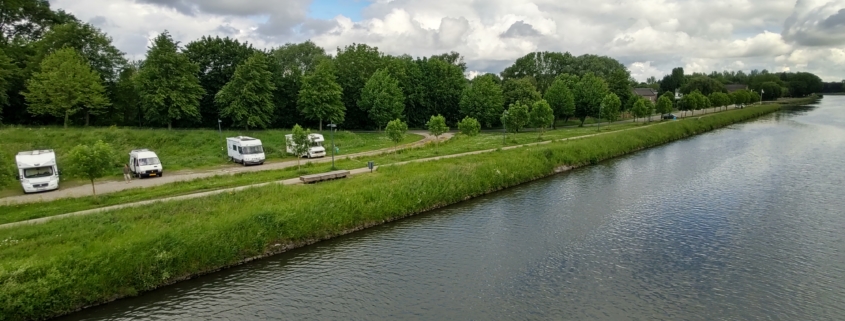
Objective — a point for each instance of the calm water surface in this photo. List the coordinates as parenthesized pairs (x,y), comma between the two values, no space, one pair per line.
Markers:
(743,223)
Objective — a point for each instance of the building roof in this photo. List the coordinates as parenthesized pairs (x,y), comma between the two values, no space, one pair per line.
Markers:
(734,87)
(645,92)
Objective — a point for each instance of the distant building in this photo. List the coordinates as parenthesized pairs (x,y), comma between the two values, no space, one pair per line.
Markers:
(646,93)
(735,87)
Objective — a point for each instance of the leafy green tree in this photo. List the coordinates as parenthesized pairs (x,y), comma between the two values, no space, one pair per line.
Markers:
(650,107)
(719,99)
(560,98)
(610,107)
(543,67)
(64,86)
(356,64)
(92,44)
(289,65)
(299,143)
(441,88)
(516,117)
(6,72)
(542,116)
(453,58)
(703,84)
(674,81)
(217,59)
(771,90)
(754,97)
(382,98)
(396,131)
(482,100)
(639,110)
(589,92)
(168,84)
(520,90)
(247,99)
(126,95)
(25,20)
(469,126)
(91,162)
(437,126)
(320,97)
(664,105)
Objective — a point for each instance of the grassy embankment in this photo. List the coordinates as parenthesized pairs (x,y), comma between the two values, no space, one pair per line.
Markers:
(55,268)
(459,144)
(178,149)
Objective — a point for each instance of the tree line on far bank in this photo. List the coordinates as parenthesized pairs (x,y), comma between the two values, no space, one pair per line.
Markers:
(59,70)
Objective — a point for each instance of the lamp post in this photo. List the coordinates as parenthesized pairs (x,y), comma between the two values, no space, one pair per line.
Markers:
(219,127)
(600,106)
(331,128)
(761,95)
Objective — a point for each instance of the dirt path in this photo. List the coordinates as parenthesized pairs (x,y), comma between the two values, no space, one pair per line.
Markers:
(292,181)
(106,187)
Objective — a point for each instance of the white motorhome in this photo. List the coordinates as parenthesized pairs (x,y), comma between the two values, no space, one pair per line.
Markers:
(143,162)
(315,148)
(245,150)
(37,170)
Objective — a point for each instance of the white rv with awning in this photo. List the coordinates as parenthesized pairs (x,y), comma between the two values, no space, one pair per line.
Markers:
(37,170)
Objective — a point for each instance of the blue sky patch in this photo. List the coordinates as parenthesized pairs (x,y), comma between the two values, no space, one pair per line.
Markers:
(328,9)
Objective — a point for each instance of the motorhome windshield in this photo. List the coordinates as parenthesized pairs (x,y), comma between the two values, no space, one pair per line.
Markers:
(148,161)
(253,150)
(43,171)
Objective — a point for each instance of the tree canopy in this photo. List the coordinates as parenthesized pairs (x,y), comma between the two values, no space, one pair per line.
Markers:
(247,99)
(542,116)
(482,100)
(320,97)
(64,86)
(519,90)
(589,93)
(169,88)
(91,162)
(610,105)
(382,99)
(560,98)
(516,117)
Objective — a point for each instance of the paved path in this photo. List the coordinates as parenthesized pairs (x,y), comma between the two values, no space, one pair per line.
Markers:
(292,181)
(106,187)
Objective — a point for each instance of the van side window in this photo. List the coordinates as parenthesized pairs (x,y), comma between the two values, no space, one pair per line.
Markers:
(234,148)
(240,150)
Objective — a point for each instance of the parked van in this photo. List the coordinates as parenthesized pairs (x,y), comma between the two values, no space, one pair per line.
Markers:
(143,162)
(315,148)
(245,150)
(37,170)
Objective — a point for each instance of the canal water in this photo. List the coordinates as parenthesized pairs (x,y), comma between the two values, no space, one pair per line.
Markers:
(742,223)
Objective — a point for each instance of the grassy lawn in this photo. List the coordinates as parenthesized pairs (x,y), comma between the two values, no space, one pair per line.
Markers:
(178,149)
(51,269)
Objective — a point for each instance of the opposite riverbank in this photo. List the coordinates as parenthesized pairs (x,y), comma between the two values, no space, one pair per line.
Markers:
(56,268)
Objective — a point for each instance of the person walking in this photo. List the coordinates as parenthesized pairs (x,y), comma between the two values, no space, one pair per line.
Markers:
(126,173)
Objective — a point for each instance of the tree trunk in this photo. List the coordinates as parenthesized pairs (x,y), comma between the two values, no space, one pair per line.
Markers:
(92,188)
(321,125)
(87,117)
(67,114)
(169,125)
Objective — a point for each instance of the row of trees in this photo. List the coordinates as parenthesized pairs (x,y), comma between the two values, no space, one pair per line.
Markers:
(773,85)
(56,69)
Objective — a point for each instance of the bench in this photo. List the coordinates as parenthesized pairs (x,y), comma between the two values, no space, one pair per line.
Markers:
(309,179)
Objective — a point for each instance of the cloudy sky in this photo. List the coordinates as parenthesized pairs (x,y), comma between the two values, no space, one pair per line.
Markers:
(649,36)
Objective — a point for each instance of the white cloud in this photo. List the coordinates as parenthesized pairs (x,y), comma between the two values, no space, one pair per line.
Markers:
(649,36)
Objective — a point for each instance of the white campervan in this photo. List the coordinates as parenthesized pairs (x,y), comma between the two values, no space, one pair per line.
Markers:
(245,150)
(37,170)
(315,148)
(143,162)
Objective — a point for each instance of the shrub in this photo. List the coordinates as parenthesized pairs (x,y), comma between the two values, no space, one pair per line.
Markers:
(469,126)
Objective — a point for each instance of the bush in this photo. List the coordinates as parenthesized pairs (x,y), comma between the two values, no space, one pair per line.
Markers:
(469,126)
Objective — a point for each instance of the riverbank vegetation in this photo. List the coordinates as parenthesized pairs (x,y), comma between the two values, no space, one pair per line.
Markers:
(58,267)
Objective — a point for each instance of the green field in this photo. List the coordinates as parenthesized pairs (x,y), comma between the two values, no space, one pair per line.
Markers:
(458,144)
(58,267)
(177,149)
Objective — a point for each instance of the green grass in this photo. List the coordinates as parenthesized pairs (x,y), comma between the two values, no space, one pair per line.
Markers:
(178,149)
(55,268)
(459,144)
